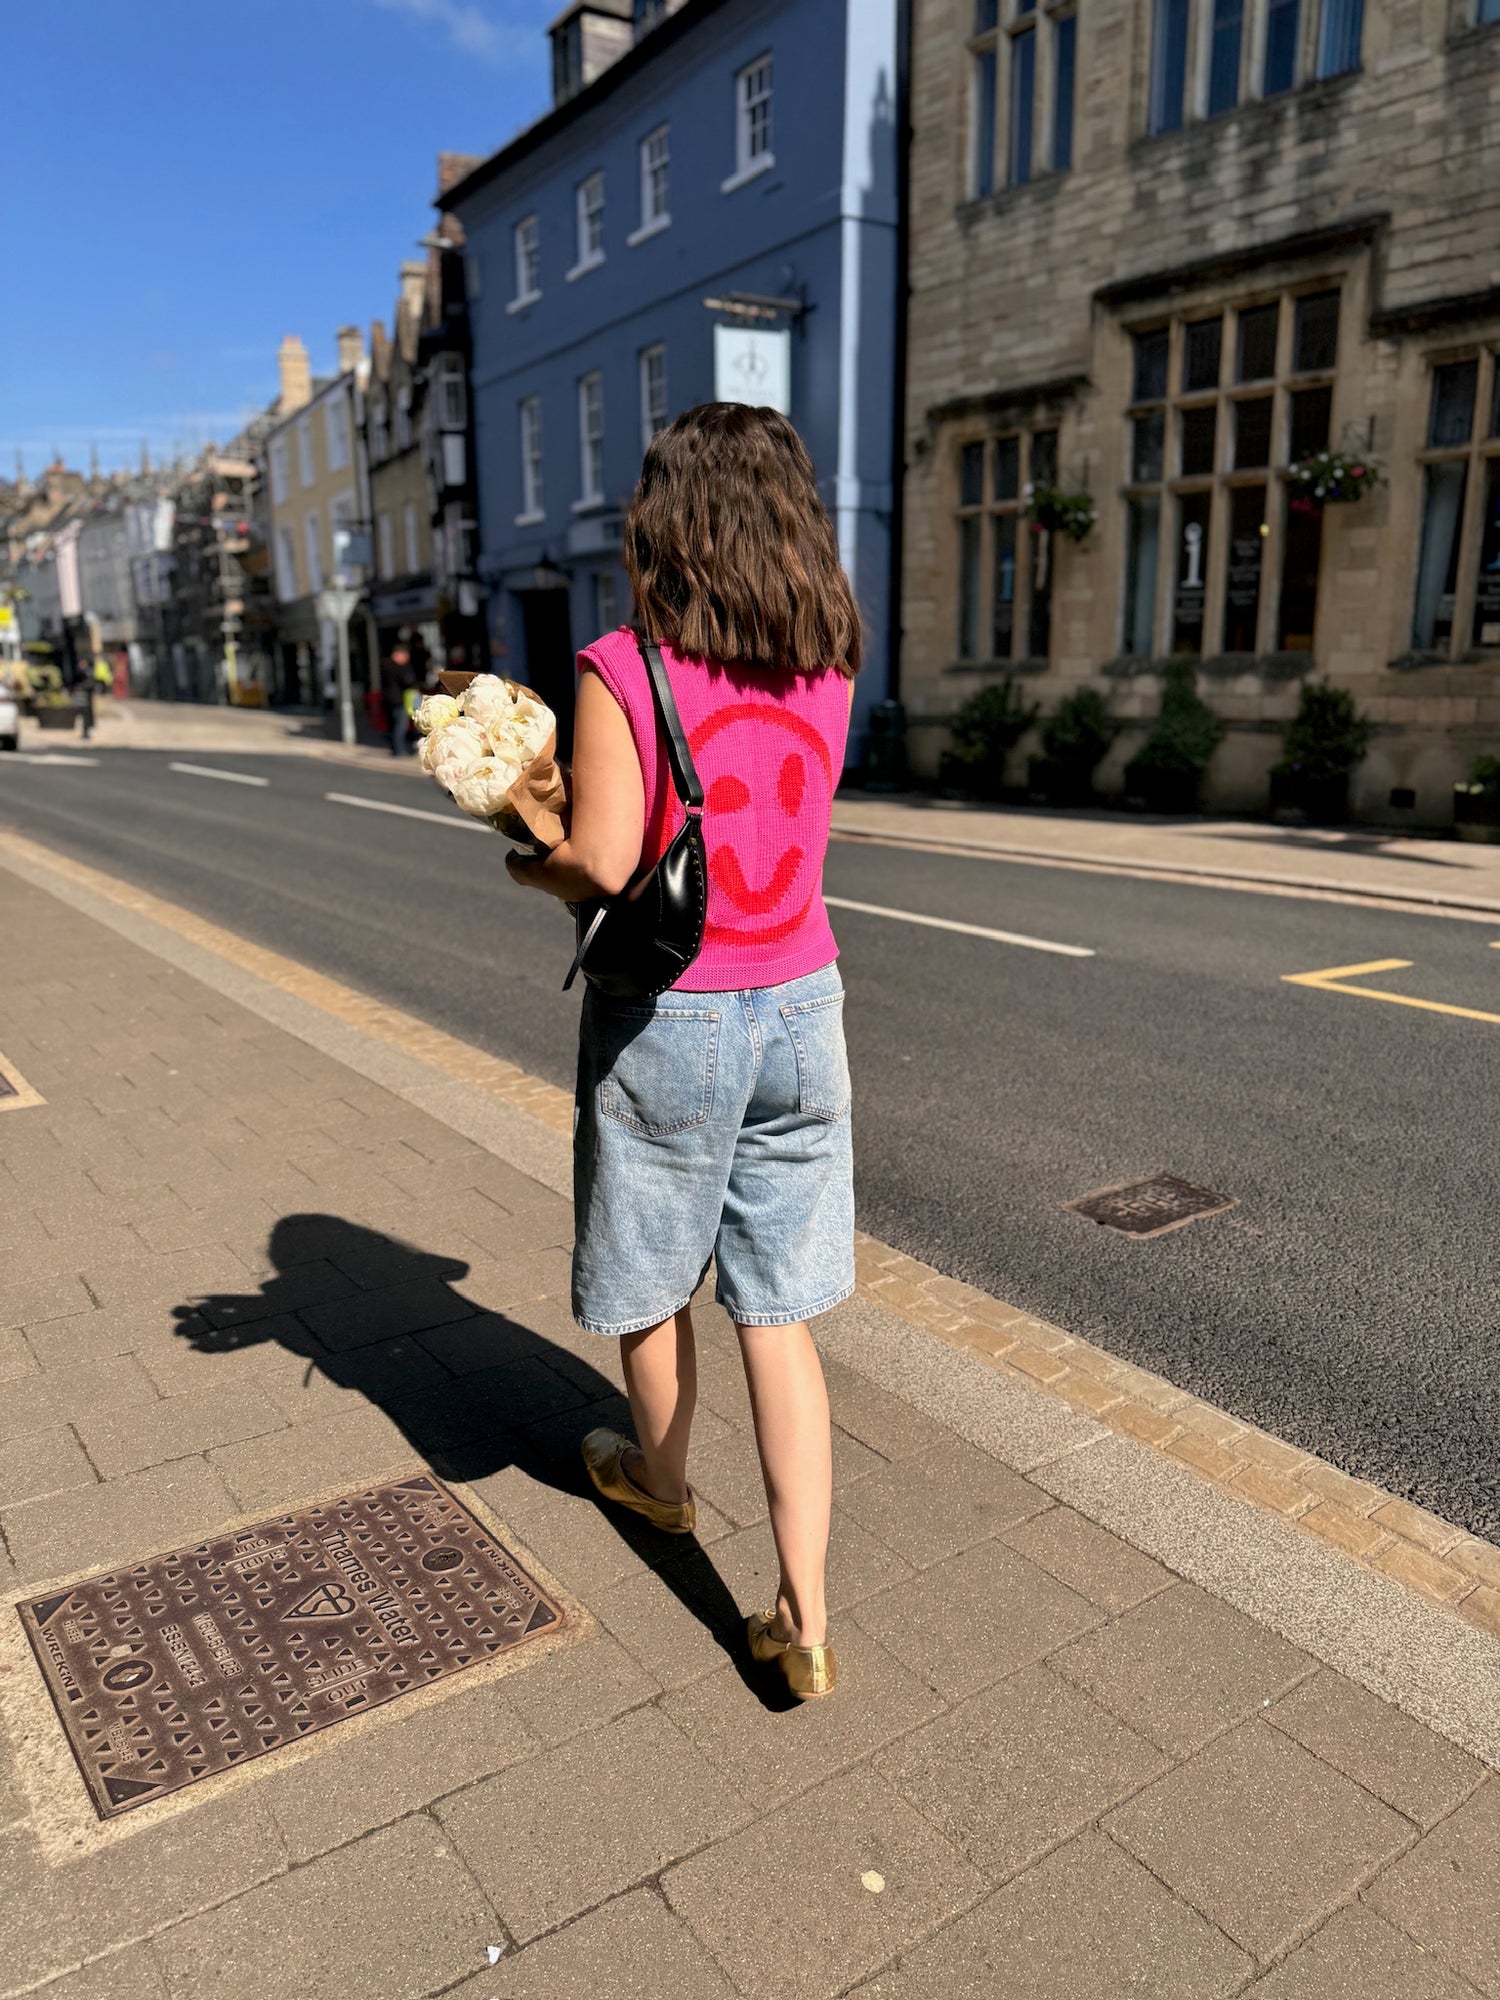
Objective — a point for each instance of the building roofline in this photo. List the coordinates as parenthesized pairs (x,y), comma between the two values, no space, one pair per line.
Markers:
(665,35)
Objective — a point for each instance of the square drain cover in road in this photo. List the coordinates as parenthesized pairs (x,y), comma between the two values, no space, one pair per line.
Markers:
(1151,1207)
(176,1669)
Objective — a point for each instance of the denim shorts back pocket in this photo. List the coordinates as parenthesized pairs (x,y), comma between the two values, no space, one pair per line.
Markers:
(656,1066)
(816,1028)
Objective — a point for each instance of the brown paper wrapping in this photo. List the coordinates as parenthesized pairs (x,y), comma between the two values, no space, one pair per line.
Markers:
(535,813)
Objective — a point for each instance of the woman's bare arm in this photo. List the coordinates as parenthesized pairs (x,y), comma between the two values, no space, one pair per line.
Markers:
(603,848)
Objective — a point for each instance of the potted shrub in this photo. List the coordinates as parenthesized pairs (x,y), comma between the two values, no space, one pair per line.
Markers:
(1165,773)
(52,704)
(1476,805)
(985,731)
(1075,738)
(1320,747)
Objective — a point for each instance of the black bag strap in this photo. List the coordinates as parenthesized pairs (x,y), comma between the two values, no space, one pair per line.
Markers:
(684,775)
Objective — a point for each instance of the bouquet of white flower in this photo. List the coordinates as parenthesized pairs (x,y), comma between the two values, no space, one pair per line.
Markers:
(492,747)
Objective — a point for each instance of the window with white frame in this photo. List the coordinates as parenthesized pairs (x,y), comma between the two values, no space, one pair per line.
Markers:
(606,600)
(403,417)
(336,434)
(656,190)
(753,131)
(1459,563)
(281,478)
(305,451)
(1203,62)
(286,565)
(409,528)
(313,549)
(590,439)
(533,506)
(453,400)
(653,391)
(385,545)
(589,198)
(1024,65)
(1221,557)
(1004,565)
(454,458)
(379,428)
(528,246)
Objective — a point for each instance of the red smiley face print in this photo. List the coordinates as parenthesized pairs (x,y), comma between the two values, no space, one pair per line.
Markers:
(768,788)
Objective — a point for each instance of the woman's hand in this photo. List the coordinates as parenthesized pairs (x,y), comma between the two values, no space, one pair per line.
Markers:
(527,869)
(603,849)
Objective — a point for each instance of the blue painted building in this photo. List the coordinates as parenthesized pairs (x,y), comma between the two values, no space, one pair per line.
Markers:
(709,209)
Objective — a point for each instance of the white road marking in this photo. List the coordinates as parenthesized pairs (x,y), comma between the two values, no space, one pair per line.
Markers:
(454,818)
(49,757)
(969,930)
(208,771)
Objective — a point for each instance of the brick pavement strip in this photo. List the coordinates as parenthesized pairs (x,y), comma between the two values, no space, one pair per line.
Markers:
(1029,1704)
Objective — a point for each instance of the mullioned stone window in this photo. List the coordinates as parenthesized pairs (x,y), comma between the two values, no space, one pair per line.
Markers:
(1205,59)
(1024,59)
(1220,556)
(1457,598)
(1004,559)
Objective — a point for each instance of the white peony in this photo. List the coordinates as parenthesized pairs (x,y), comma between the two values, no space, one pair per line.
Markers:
(489,700)
(480,788)
(449,751)
(436,712)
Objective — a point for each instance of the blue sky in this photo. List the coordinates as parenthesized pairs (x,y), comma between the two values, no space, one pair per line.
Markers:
(188,180)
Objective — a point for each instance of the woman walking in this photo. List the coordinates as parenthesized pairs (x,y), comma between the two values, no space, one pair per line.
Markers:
(713,1121)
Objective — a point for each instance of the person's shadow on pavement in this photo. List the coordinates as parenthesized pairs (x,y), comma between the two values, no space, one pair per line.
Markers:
(473,1391)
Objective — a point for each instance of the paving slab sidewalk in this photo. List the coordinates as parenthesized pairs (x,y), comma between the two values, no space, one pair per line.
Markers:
(236,1275)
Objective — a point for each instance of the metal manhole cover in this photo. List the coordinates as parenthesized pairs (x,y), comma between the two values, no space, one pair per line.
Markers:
(1150,1207)
(184,1666)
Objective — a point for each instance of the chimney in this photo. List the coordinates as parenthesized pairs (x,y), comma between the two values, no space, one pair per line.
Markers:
(453,167)
(586,38)
(296,376)
(351,349)
(414,289)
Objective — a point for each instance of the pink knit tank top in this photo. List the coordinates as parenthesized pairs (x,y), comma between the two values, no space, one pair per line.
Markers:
(769,749)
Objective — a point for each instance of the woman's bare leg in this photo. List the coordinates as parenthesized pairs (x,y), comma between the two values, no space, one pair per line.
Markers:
(661,1380)
(789,1401)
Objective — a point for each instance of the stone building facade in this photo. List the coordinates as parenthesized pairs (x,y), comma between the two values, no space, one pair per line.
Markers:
(1161,250)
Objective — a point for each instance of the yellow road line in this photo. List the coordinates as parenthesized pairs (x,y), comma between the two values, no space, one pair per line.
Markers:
(1335,980)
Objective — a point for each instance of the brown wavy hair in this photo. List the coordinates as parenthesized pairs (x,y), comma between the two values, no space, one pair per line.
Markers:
(729,550)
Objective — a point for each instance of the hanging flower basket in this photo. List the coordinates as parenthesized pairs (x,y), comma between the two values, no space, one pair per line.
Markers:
(1051,511)
(1323,478)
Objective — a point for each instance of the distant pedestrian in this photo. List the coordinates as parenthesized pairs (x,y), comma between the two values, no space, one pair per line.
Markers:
(83,701)
(399,686)
(713,1122)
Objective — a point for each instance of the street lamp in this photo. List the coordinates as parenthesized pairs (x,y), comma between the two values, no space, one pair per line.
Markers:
(351,559)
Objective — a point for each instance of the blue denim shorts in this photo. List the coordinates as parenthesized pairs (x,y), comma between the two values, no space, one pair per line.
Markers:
(713,1126)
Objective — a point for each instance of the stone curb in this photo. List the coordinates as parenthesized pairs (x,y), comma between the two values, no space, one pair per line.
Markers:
(1372,1529)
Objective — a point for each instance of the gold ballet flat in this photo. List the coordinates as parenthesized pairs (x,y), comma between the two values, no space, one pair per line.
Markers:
(810,1671)
(603,1453)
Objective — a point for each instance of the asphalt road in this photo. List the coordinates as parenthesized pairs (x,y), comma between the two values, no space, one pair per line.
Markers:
(1350,1302)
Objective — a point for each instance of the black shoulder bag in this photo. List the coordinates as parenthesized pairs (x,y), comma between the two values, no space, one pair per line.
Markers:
(635,945)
